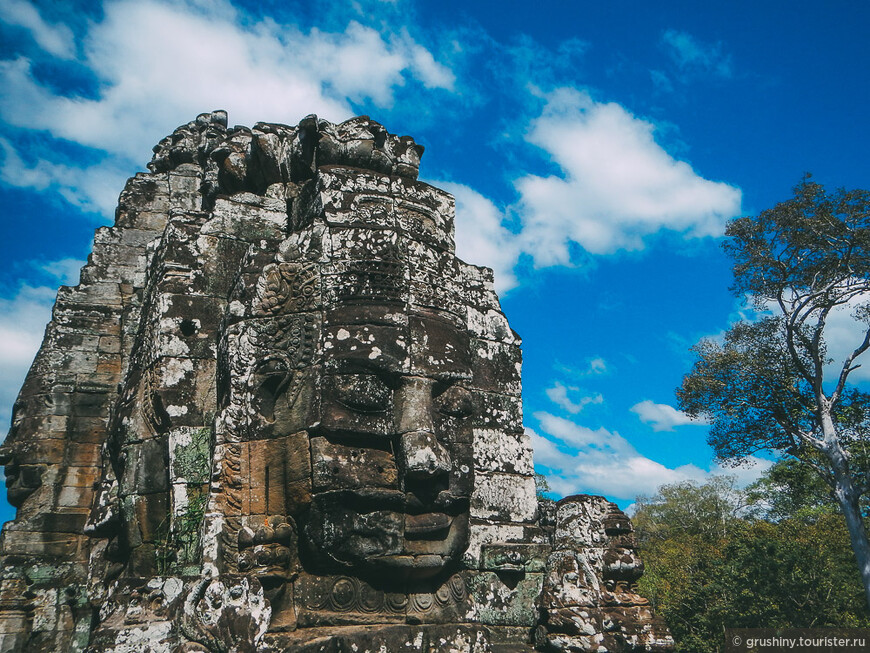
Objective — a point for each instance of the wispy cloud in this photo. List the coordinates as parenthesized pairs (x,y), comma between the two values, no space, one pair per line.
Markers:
(661,416)
(558,394)
(617,185)
(92,189)
(694,57)
(597,366)
(481,237)
(23,316)
(56,39)
(843,333)
(578,459)
(65,270)
(208,57)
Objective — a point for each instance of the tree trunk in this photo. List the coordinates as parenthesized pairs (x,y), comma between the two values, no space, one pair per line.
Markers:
(845,493)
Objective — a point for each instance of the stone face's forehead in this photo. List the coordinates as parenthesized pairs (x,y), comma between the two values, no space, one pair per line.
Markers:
(366,346)
(439,349)
(395,341)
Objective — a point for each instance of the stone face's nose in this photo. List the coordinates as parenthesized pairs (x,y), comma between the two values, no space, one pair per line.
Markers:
(423,456)
(420,454)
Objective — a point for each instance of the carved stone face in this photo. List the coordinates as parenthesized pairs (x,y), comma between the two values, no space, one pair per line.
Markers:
(22,477)
(21,480)
(189,141)
(391,461)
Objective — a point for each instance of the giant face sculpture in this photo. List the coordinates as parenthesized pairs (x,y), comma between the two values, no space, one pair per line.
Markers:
(391,463)
(22,480)
(348,388)
(296,419)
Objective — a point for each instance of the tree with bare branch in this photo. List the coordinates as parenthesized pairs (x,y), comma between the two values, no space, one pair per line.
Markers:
(771,384)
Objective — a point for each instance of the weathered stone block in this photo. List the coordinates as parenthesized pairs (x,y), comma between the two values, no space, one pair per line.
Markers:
(506,599)
(505,497)
(50,545)
(146,468)
(337,466)
(497,451)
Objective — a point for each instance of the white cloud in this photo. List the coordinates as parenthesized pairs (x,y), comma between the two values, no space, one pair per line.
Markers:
(583,460)
(481,237)
(843,333)
(431,73)
(57,40)
(94,189)
(693,56)
(23,317)
(661,416)
(558,394)
(617,184)
(597,366)
(66,270)
(159,64)
(746,474)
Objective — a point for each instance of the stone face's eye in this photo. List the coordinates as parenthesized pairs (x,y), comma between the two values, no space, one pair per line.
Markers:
(364,393)
(455,401)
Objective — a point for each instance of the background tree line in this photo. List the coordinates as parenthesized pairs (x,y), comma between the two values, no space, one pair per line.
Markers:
(780,381)
(775,554)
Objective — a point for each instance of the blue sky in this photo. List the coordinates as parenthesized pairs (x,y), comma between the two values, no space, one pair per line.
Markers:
(596,151)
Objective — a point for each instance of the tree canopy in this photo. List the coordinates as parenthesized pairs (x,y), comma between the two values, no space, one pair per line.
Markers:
(773,382)
(775,554)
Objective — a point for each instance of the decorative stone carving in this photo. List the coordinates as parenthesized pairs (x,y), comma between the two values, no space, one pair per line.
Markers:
(589,600)
(279,414)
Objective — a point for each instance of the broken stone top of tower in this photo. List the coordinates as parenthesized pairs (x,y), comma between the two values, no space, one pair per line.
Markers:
(251,159)
(279,414)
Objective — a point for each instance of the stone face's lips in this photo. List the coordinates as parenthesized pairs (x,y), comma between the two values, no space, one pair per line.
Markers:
(429,523)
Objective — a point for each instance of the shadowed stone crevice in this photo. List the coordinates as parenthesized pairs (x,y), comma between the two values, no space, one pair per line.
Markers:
(278,414)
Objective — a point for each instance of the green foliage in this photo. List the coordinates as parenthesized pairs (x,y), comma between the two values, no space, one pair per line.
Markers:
(706,511)
(816,242)
(764,387)
(749,389)
(542,486)
(193,461)
(179,542)
(769,385)
(790,490)
(711,563)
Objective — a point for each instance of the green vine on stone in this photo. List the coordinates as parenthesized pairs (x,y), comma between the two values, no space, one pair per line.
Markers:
(178,546)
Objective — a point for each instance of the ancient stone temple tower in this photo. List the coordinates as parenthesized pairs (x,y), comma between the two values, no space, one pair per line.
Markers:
(279,414)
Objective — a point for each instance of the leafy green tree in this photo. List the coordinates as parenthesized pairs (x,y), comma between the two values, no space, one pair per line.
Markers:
(703,577)
(707,511)
(765,387)
(790,489)
(542,486)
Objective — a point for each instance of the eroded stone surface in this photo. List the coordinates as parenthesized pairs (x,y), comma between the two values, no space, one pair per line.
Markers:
(278,413)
